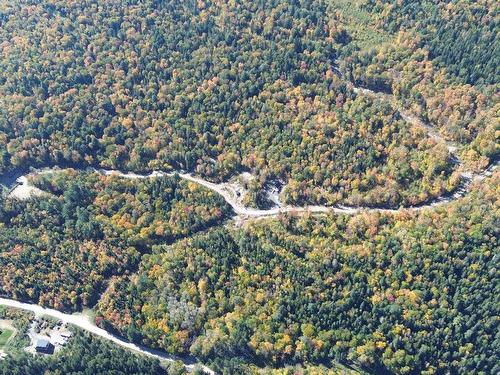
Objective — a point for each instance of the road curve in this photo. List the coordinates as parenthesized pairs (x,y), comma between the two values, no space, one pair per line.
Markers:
(230,195)
(84,323)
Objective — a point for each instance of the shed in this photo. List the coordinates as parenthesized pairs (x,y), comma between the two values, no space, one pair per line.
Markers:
(44,346)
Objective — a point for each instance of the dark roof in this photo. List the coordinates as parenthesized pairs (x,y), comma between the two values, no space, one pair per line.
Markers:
(42,343)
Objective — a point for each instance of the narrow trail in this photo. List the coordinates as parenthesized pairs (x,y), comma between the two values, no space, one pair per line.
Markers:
(414,120)
(84,323)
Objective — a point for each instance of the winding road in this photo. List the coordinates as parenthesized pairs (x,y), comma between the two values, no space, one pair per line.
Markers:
(24,190)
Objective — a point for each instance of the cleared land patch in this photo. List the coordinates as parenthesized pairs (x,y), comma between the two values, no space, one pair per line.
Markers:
(7,331)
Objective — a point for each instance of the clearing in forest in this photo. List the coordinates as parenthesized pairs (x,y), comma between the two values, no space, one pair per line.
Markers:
(7,331)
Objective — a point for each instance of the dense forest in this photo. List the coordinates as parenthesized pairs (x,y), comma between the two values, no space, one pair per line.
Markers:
(461,36)
(372,103)
(60,249)
(210,87)
(384,291)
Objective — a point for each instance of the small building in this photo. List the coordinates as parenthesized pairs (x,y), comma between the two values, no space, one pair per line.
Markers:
(44,346)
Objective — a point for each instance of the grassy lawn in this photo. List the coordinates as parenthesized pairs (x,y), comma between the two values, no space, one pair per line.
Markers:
(4,336)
